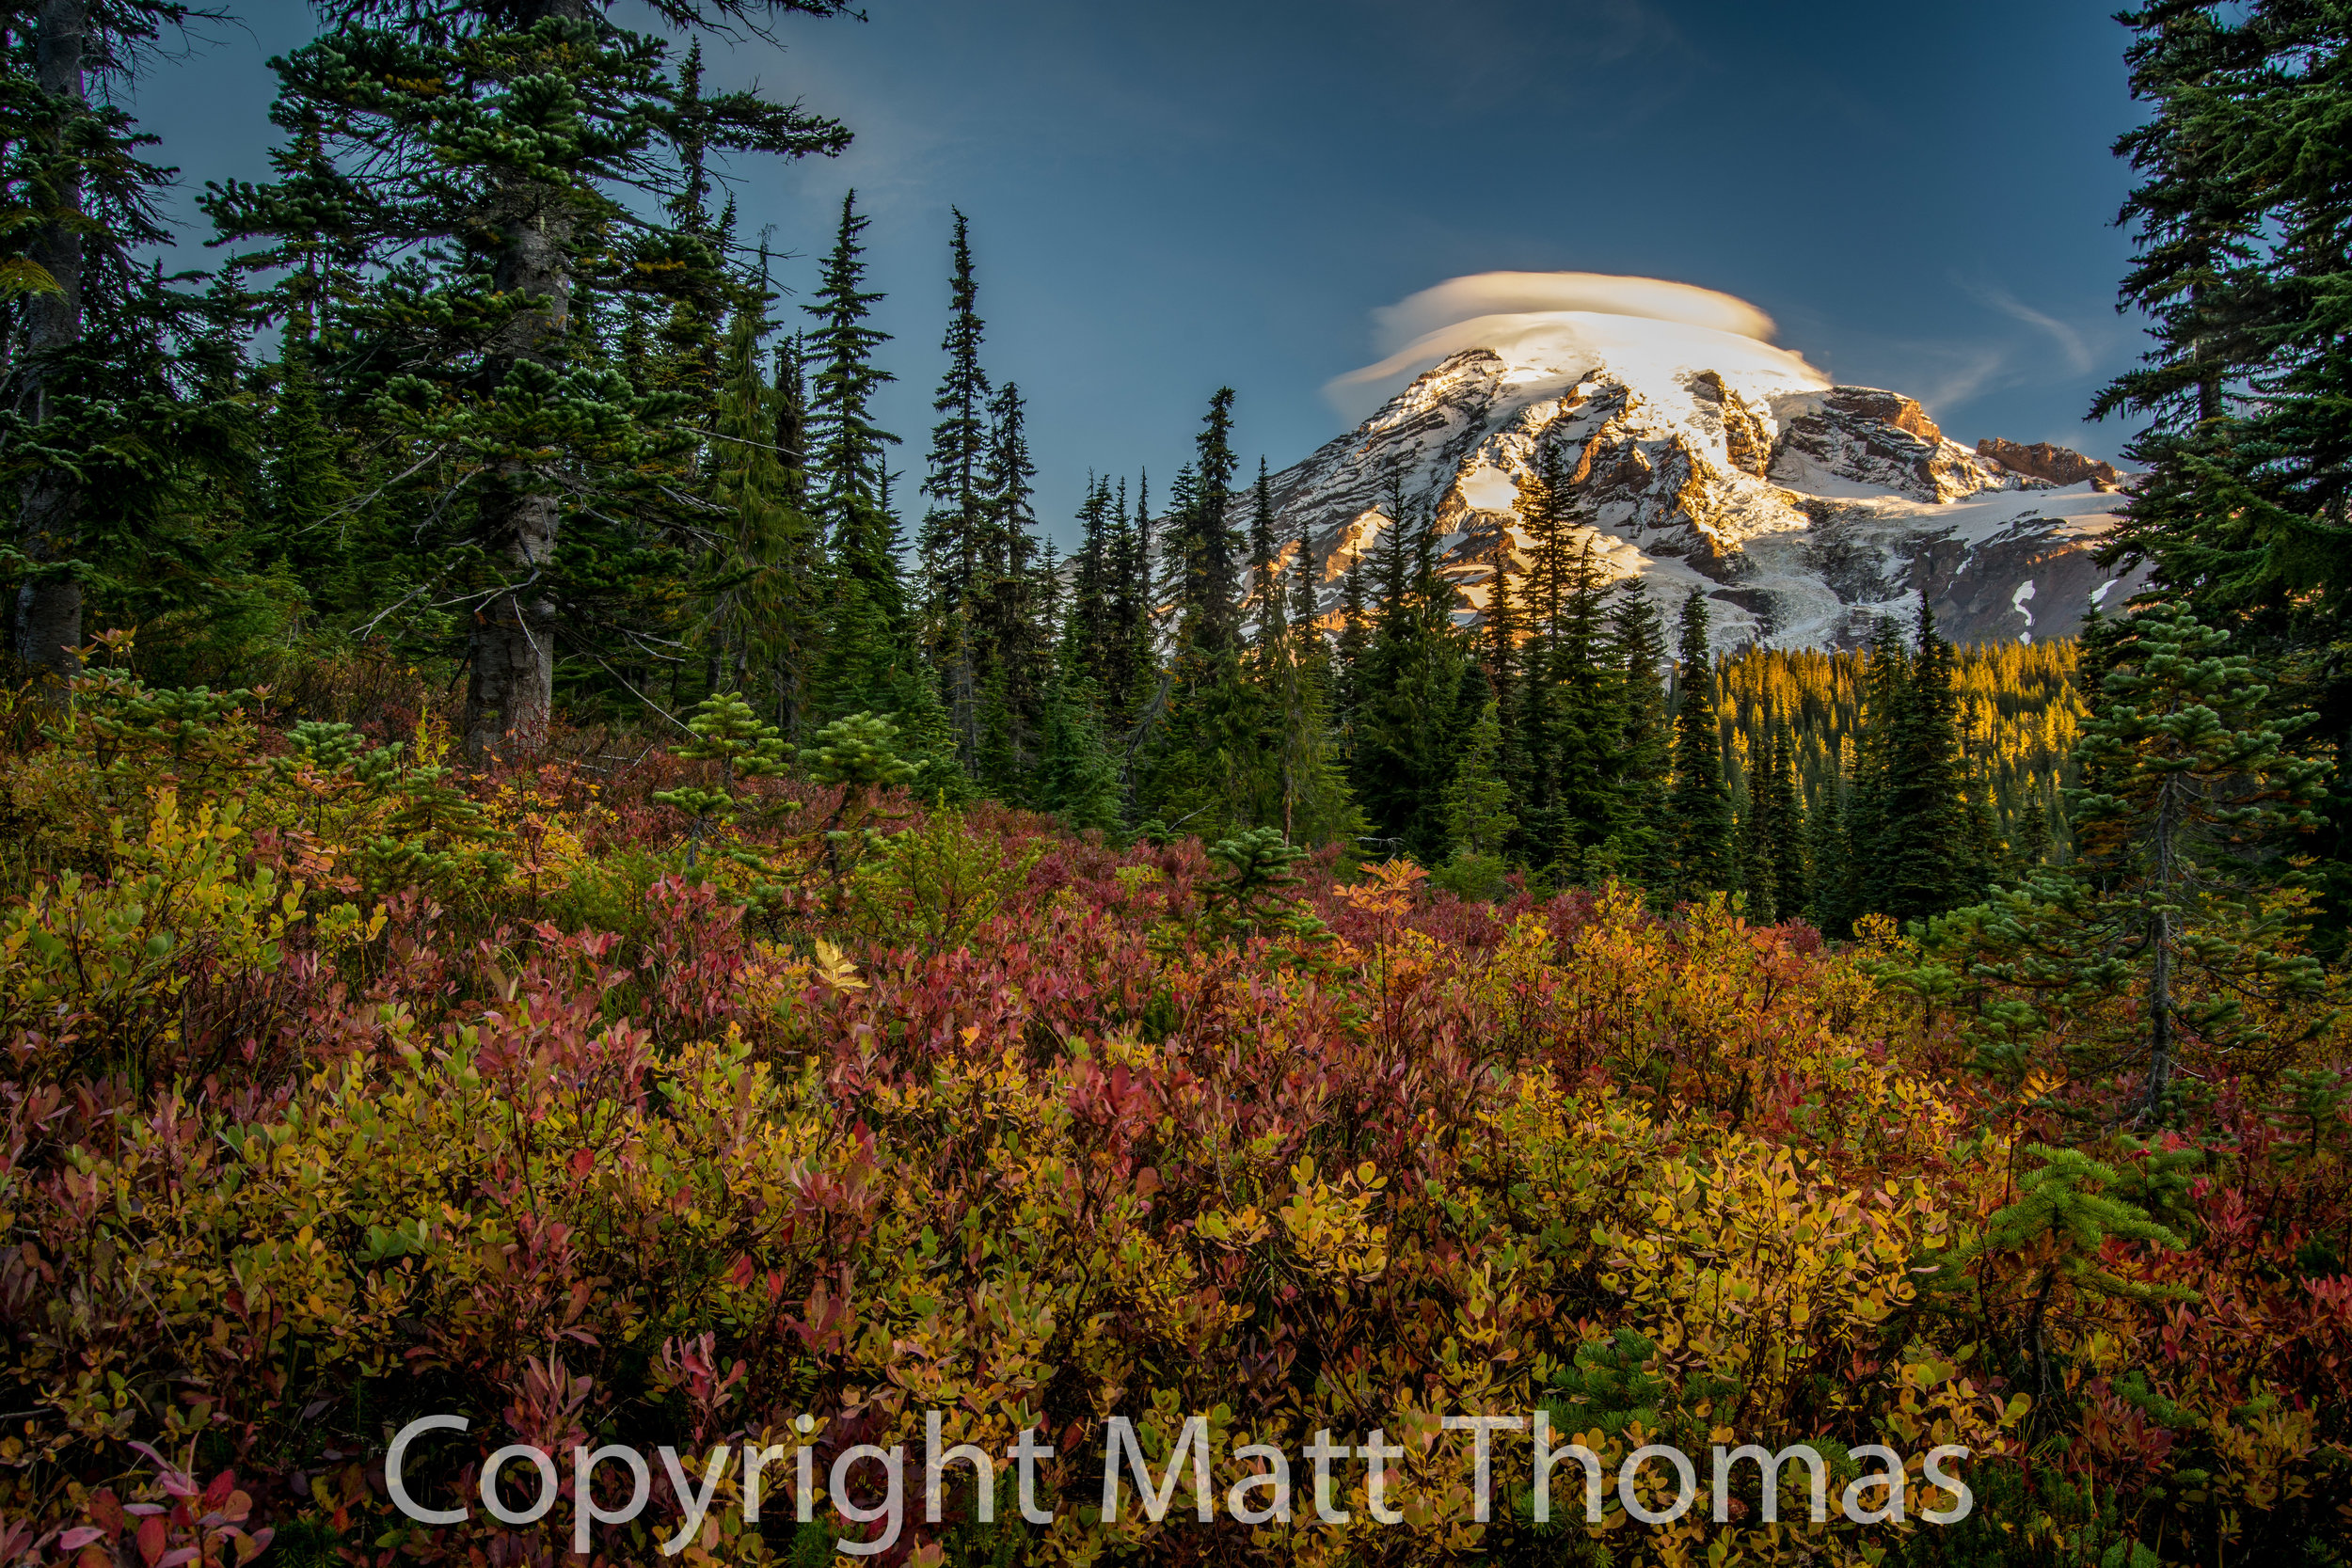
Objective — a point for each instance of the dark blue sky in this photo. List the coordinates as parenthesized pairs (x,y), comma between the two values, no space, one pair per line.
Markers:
(1166,197)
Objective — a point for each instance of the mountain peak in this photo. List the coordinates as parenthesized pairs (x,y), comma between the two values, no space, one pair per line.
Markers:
(1702,459)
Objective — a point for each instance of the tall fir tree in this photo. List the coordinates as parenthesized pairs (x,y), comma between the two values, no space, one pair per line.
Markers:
(2245,509)
(955,529)
(1132,656)
(762,622)
(1094,586)
(1542,507)
(1408,717)
(1636,846)
(2190,802)
(114,386)
(1922,823)
(1215,746)
(848,451)
(1009,643)
(1788,839)
(1500,624)
(1585,702)
(475,168)
(1200,543)
(1699,845)
(1265,563)
(1353,648)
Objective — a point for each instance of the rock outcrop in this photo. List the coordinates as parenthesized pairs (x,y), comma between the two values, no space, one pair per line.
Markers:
(2058,465)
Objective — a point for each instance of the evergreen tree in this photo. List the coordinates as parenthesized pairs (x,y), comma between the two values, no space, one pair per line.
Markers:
(1886,701)
(763,620)
(1305,599)
(1133,659)
(1921,826)
(1585,707)
(1501,623)
(1828,848)
(2166,906)
(1753,855)
(1788,840)
(1637,843)
(474,168)
(1699,847)
(2240,218)
(1408,722)
(1773,835)
(1266,563)
(846,468)
(1354,647)
(955,529)
(1479,824)
(1093,587)
(114,381)
(1010,648)
(1541,505)
(1218,744)
(1201,545)
(1077,777)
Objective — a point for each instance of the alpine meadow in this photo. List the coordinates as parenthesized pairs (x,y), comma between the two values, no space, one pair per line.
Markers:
(556,874)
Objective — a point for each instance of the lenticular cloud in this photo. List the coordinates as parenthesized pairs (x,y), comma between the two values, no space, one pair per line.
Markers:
(1582,314)
(1510,294)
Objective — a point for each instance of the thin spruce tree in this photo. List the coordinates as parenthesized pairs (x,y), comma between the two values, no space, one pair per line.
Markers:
(1699,842)
(849,476)
(955,529)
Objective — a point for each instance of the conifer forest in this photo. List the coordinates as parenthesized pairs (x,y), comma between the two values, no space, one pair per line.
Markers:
(556,871)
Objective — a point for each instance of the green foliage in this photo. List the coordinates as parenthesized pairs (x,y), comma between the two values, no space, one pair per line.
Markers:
(2188,790)
(2064,1215)
(1608,1387)
(1478,816)
(2239,265)
(1077,778)
(935,886)
(460,237)
(1262,892)
(858,753)
(436,836)
(127,725)
(1699,845)
(727,732)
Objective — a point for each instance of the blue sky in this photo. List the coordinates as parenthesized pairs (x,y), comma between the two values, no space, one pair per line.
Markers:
(1169,197)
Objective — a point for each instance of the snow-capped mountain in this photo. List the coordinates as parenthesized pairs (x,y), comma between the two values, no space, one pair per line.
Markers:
(1704,459)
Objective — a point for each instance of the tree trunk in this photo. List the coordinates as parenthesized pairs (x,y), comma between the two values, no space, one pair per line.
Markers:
(513,653)
(49,610)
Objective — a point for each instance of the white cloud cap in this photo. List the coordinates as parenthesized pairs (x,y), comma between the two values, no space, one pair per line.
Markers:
(1505,294)
(1561,324)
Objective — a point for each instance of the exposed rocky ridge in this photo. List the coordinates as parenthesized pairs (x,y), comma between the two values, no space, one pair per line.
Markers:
(1806,512)
(2058,464)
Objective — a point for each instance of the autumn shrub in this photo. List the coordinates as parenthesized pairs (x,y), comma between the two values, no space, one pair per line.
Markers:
(616,1127)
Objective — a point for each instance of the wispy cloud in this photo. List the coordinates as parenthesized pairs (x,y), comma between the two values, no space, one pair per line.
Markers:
(1465,57)
(1952,377)
(2080,358)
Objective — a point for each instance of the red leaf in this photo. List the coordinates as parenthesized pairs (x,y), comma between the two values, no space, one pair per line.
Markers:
(151,1538)
(79,1537)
